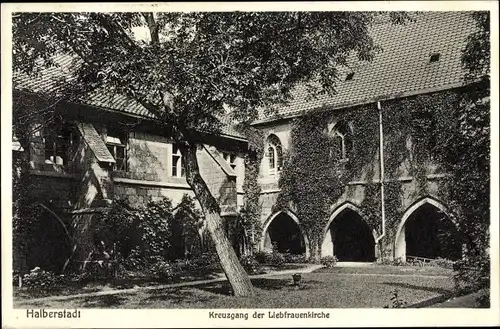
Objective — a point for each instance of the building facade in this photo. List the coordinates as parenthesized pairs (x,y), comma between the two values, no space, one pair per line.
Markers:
(105,149)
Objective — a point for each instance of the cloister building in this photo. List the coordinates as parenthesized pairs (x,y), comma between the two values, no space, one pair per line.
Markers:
(109,148)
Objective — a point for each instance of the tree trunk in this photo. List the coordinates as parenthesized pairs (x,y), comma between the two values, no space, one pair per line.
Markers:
(238,278)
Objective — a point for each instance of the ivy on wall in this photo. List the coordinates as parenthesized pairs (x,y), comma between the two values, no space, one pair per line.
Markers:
(418,132)
(311,178)
(249,215)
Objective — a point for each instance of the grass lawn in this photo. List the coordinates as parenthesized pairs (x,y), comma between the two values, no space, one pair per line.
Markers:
(130,282)
(326,288)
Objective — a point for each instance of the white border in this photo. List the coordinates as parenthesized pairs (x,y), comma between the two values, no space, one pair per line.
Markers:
(199,318)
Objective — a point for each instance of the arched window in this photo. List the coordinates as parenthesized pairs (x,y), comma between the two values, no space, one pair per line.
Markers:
(274,154)
(342,140)
(177,162)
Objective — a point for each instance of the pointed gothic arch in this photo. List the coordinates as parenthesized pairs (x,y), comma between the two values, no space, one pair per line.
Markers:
(298,243)
(424,214)
(348,236)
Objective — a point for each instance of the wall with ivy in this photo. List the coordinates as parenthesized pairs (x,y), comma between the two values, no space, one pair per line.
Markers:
(417,133)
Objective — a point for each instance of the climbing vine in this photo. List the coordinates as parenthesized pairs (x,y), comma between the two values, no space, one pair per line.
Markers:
(249,215)
(310,180)
(417,133)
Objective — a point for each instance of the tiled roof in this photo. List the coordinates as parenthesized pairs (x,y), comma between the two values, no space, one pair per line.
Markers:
(52,80)
(402,67)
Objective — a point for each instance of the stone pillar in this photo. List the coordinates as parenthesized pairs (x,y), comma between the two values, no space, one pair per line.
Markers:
(327,245)
(400,246)
(268,245)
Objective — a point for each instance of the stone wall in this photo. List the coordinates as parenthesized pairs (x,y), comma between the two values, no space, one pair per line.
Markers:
(411,192)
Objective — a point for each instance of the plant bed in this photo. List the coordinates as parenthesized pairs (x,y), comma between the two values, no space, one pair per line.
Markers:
(284,267)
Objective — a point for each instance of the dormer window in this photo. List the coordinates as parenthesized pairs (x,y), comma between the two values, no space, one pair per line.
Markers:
(435,58)
(350,76)
(274,155)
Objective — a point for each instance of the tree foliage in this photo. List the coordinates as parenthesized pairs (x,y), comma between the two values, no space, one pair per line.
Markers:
(194,66)
(471,180)
(200,61)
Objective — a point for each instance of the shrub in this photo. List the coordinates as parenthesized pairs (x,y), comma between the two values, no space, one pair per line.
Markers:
(442,262)
(261,257)
(164,271)
(398,262)
(276,259)
(83,277)
(155,228)
(294,258)
(394,262)
(251,265)
(205,263)
(329,261)
(270,258)
(472,274)
(185,227)
(118,228)
(484,299)
(39,279)
(139,236)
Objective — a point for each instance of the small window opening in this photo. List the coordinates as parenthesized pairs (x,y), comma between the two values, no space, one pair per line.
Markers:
(274,155)
(231,159)
(178,169)
(116,142)
(342,141)
(435,57)
(350,76)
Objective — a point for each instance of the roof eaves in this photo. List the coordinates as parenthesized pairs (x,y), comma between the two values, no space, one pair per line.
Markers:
(339,106)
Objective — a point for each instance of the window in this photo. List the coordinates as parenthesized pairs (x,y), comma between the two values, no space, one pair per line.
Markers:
(230,158)
(342,141)
(177,163)
(435,58)
(116,142)
(274,155)
(58,140)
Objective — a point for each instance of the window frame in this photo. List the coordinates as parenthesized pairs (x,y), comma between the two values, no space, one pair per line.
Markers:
(122,137)
(274,155)
(60,135)
(344,137)
(177,163)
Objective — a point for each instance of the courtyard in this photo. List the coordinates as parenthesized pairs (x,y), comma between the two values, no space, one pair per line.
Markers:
(370,286)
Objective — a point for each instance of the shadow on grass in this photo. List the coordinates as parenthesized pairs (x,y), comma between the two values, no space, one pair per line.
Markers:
(103,301)
(224,288)
(270,284)
(177,296)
